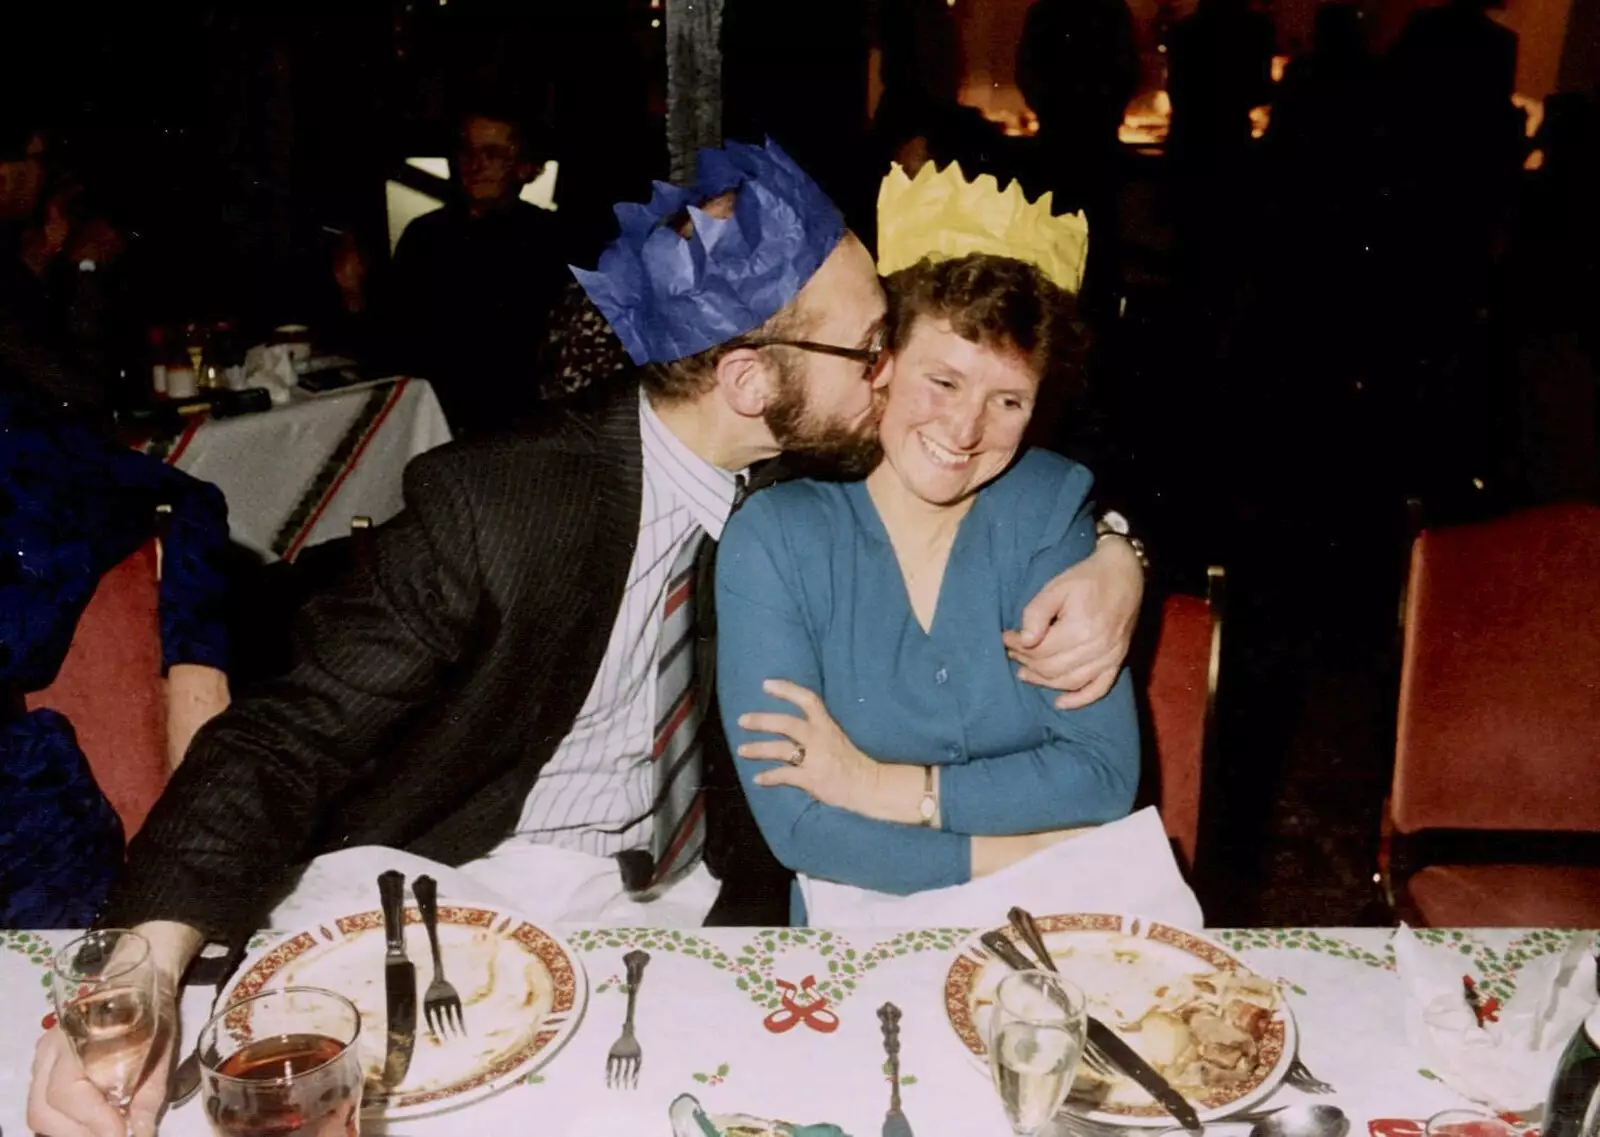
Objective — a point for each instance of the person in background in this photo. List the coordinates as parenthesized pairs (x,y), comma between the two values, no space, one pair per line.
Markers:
(1455,67)
(1078,67)
(1219,69)
(579,350)
(53,261)
(473,283)
(73,504)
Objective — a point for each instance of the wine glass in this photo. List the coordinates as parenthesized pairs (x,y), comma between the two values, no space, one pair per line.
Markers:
(283,1063)
(1036,1036)
(104,985)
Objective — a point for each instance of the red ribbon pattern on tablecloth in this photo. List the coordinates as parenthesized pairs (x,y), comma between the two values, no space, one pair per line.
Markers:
(813,1012)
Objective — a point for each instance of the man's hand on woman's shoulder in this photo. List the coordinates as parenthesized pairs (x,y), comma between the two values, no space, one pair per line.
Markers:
(1077,631)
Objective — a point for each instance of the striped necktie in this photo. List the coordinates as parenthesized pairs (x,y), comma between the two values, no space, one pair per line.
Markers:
(680,825)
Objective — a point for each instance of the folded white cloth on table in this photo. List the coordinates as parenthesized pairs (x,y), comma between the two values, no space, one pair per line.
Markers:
(1124,866)
(546,884)
(271,366)
(1505,1062)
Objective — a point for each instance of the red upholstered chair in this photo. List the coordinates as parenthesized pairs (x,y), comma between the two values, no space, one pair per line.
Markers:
(110,687)
(1494,812)
(1181,690)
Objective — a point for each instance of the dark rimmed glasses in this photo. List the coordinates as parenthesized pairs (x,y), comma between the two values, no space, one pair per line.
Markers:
(868,357)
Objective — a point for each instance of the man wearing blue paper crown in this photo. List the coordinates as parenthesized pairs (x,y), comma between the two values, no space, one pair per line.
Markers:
(508,682)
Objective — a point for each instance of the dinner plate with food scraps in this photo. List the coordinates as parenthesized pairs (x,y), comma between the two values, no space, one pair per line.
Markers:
(1221,1034)
(523,992)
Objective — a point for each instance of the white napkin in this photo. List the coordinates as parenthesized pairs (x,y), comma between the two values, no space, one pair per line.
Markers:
(1123,866)
(1505,1064)
(271,366)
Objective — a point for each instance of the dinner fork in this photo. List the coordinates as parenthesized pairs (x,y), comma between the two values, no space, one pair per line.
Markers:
(625,1058)
(440,1002)
(1304,1080)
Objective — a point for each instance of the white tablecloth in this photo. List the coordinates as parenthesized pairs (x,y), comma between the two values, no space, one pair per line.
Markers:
(709,996)
(295,475)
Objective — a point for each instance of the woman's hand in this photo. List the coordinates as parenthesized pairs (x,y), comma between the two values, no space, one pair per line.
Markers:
(831,768)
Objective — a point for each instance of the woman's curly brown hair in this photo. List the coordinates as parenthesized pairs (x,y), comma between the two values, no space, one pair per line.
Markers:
(999,302)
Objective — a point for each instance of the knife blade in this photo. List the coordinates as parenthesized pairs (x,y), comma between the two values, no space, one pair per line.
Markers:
(399,981)
(1126,1059)
(1117,1052)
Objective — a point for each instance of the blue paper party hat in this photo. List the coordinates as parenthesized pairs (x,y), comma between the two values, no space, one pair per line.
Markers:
(668,297)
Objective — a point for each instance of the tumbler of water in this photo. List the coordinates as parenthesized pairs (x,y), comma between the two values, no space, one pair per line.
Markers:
(1036,1037)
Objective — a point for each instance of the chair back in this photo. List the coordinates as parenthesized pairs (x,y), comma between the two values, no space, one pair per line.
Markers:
(1181,694)
(1499,709)
(111,689)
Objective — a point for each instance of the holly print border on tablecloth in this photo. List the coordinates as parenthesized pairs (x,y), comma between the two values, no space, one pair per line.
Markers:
(1498,970)
(1302,939)
(755,965)
(38,950)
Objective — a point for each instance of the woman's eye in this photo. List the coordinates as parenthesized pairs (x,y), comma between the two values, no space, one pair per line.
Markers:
(945,383)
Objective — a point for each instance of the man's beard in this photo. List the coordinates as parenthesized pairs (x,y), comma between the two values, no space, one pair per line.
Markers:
(827,448)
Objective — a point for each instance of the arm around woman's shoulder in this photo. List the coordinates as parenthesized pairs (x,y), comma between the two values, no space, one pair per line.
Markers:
(770,564)
(1086,770)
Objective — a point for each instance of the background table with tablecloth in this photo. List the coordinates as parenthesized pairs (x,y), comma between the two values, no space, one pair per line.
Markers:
(294,476)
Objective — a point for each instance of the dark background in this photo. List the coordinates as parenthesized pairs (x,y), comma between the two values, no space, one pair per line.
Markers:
(1295,432)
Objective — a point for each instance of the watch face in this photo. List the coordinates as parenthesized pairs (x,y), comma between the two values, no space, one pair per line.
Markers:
(1114,522)
(927,808)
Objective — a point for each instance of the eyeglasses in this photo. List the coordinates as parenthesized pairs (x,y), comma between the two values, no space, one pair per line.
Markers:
(868,357)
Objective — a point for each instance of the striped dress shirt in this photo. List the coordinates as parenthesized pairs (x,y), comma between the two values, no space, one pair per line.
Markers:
(601,776)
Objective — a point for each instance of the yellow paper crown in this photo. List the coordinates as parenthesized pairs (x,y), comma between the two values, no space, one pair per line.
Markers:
(940,214)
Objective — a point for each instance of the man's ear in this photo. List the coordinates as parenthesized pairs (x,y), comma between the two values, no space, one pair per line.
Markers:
(745,381)
(885,373)
(528,171)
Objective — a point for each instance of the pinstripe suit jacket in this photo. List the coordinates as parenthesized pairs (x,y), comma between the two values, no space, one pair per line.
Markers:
(431,687)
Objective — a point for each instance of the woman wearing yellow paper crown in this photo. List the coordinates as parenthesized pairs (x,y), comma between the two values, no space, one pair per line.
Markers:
(889,747)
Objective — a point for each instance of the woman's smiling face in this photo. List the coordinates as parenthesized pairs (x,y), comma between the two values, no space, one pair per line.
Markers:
(955,412)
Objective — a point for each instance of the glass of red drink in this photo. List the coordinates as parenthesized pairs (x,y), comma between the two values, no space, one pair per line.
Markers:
(283,1064)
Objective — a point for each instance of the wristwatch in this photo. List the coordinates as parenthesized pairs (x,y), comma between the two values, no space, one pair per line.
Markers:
(928,807)
(1113,524)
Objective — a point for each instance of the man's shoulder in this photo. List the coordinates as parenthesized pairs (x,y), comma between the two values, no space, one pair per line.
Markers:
(564,450)
(427,228)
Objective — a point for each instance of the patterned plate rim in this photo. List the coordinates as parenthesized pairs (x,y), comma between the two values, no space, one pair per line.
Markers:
(1282,1039)
(569,999)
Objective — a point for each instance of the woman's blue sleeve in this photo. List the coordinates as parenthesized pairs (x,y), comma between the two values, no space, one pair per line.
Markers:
(763,633)
(1085,769)
(194,587)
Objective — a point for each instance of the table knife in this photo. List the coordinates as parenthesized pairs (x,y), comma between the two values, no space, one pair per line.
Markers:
(399,981)
(1117,1052)
(894,1122)
(1126,1059)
